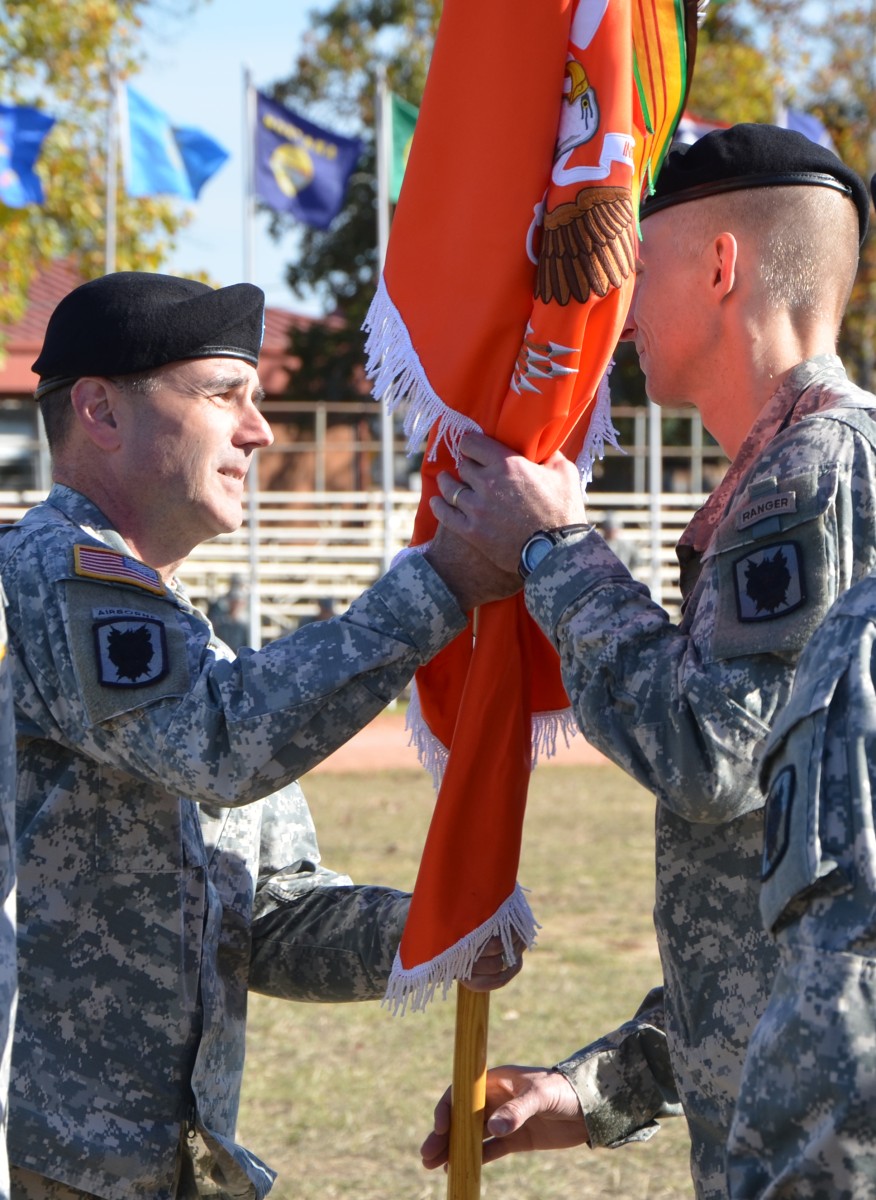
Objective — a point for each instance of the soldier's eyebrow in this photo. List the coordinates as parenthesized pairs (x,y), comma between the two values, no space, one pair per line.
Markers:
(220,384)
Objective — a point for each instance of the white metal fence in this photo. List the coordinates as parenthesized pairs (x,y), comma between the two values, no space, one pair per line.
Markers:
(311,545)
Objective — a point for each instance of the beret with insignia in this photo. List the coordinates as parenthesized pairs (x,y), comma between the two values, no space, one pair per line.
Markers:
(751,156)
(133,321)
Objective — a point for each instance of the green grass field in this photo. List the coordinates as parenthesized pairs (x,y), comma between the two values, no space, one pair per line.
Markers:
(338,1098)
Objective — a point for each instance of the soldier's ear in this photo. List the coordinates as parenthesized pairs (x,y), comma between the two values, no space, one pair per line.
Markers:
(724,258)
(94,401)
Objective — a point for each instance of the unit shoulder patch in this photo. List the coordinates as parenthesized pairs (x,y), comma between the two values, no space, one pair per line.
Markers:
(777,820)
(131,650)
(769,582)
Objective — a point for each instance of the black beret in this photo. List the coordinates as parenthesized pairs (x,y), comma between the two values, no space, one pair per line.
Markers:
(132,321)
(750,156)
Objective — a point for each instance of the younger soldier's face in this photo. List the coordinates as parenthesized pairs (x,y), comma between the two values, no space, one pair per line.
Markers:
(668,317)
(192,444)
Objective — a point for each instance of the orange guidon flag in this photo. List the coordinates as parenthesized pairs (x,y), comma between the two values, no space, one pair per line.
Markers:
(508,276)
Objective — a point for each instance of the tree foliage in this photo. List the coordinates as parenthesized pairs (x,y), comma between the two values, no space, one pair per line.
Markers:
(56,56)
(335,81)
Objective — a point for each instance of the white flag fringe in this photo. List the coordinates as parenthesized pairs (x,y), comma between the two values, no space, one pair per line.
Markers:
(417,987)
(600,431)
(432,754)
(396,372)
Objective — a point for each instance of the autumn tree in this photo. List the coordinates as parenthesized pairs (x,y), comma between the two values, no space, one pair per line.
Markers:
(56,56)
(334,81)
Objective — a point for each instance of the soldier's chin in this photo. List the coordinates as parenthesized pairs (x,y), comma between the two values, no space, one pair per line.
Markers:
(226,521)
(666,401)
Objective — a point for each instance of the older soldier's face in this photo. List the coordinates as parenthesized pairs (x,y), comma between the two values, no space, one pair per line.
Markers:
(190,444)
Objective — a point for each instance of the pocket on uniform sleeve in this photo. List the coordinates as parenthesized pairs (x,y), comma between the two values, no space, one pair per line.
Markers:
(795,861)
(128,649)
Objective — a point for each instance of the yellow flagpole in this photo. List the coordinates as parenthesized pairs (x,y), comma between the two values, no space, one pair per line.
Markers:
(469,1094)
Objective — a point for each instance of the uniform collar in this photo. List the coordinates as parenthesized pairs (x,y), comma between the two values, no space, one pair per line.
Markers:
(795,398)
(83,512)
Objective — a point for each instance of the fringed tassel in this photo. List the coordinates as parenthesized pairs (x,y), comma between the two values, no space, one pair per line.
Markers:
(547,727)
(601,431)
(397,375)
(432,753)
(417,987)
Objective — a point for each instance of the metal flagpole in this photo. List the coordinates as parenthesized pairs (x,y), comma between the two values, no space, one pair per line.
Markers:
(112,171)
(387,473)
(252,478)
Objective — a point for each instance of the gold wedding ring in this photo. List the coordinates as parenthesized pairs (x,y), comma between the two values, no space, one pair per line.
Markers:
(455,497)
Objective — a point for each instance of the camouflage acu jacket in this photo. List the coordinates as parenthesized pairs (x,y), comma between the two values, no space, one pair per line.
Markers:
(686,710)
(168,861)
(804,1127)
(8,969)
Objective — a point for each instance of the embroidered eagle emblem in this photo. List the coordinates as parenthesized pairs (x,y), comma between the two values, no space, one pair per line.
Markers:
(587,246)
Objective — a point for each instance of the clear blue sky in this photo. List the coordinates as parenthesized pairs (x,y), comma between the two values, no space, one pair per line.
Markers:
(194,72)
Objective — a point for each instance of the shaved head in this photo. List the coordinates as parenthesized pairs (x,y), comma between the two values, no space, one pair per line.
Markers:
(804,242)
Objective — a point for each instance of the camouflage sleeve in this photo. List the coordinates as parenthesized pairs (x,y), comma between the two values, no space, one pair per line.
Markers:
(686,709)
(803,1124)
(8,962)
(221,731)
(804,1119)
(640,690)
(325,943)
(624,1080)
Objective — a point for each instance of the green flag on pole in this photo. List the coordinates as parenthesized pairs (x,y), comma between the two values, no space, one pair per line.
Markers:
(403,118)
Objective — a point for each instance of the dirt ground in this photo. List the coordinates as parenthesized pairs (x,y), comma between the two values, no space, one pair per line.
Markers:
(383,746)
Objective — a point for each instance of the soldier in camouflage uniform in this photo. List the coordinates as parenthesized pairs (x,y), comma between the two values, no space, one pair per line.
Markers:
(805,1124)
(168,858)
(8,969)
(749,250)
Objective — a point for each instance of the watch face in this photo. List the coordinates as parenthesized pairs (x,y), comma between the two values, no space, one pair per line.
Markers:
(541,543)
(535,550)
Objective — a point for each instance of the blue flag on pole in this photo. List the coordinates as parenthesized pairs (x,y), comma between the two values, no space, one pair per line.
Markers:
(301,168)
(163,159)
(22,131)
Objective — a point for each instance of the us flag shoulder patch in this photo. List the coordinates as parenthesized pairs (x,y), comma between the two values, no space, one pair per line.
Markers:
(98,562)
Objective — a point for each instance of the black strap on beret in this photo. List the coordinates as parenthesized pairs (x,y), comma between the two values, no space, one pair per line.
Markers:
(752,155)
(740,183)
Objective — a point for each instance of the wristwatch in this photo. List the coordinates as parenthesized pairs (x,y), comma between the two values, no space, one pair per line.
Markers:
(541,543)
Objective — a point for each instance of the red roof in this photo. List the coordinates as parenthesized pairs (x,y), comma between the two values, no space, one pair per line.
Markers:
(23,340)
